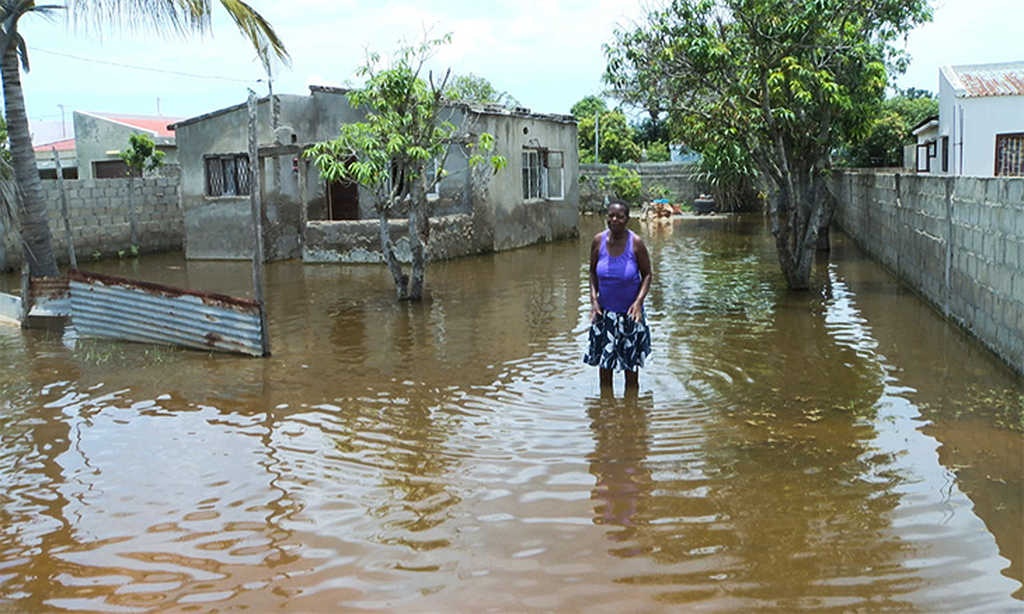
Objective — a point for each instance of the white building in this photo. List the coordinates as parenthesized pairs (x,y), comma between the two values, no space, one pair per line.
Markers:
(981,122)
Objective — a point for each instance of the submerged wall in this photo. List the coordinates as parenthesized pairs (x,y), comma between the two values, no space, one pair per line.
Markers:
(358,241)
(958,241)
(98,210)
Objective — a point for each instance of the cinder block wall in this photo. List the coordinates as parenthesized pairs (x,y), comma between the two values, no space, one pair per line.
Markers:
(678,177)
(98,210)
(958,241)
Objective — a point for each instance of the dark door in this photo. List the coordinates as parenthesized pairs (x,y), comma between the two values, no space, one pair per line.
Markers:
(343,199)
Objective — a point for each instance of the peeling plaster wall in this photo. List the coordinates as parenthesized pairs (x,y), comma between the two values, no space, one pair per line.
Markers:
(517,221)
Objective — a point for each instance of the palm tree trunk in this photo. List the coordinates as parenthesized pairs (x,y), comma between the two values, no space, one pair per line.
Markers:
(32,218)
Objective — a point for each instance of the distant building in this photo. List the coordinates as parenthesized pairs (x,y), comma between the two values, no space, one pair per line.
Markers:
(98,139)
(980,127)
(925,151)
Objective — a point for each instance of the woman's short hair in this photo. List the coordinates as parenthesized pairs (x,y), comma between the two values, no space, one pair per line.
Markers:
(620,203)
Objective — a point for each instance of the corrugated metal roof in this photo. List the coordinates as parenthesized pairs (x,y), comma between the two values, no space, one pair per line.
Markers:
(118,308)
(978,80)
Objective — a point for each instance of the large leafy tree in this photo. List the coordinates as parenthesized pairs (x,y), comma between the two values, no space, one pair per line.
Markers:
(786,80)
(173,16)
(474,88)
(399,152)
(882,145)
(616,138)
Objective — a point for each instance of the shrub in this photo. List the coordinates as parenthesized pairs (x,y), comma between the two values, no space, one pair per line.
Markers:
(624,184)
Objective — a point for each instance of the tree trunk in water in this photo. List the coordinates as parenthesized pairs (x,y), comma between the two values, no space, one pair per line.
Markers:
(419,228)
(387,250)
(34,225)
(796,216)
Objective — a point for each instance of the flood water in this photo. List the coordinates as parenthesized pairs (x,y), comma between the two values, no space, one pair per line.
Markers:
(843,449)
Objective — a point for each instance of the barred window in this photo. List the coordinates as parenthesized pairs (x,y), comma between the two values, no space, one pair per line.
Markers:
(1010,155)
(543,174)
(227,174)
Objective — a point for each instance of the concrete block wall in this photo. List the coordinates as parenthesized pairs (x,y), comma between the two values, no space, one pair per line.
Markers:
(98,210)
(958,241)
(678,177)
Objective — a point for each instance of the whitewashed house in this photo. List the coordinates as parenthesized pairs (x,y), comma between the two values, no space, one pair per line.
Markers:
(980,125)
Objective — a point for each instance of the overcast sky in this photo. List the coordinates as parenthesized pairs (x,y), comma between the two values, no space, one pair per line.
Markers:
(546,54)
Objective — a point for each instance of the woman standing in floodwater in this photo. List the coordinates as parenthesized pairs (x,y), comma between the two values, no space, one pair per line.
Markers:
(620,277)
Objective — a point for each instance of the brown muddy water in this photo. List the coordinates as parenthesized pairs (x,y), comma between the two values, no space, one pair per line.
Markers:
(841,450)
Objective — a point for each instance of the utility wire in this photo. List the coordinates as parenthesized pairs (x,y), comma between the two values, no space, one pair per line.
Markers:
(146,68)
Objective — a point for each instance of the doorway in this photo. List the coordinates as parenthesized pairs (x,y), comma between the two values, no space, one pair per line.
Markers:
(343,199)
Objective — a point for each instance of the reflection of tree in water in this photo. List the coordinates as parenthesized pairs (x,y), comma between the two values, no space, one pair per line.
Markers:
(782,495)
(401,438)
(618,463)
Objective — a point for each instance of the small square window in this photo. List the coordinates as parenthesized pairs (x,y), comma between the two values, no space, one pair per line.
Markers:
(227,175)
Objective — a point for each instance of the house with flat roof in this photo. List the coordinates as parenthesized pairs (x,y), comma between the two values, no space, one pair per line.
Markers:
(534,199)
(980,129)
(98,138)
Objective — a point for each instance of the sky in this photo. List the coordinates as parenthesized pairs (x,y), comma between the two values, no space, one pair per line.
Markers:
(547,54)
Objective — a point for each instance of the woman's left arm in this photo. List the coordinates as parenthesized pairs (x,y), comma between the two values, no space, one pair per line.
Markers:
(643,264)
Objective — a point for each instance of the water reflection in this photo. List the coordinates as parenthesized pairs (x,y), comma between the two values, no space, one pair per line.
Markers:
(618,465)
(835,450)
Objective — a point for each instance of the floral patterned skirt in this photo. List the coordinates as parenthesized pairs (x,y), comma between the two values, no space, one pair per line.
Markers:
(617,342)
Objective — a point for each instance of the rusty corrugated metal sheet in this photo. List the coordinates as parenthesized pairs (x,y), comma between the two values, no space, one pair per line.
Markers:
(992,79)
(113,307)
(50,297)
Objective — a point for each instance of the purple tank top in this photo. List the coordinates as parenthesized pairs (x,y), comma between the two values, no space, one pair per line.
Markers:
(618,279)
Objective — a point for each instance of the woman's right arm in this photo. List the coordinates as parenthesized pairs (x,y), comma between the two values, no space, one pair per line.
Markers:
(595,250)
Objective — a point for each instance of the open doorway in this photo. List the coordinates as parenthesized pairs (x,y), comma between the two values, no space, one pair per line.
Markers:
(343,199)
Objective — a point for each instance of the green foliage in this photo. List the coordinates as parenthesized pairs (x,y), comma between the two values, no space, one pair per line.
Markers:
(785,81)
(141,155)
(657,151)
(588,107)
(471,88)
(394,152)
(616,143)
(402,133)
(659,191)
(731,175)
(882,145)
(623,183)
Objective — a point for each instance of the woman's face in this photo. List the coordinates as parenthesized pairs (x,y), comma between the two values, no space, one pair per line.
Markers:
(617,218)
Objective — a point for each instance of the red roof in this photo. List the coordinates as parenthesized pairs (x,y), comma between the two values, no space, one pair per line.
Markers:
(992,79)
(62,145)
(152,123)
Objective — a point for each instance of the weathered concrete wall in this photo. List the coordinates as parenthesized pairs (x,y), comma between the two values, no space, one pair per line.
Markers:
(519,221)
(219,227)
(451,236)
(99,213)
(678,177)
(959,241)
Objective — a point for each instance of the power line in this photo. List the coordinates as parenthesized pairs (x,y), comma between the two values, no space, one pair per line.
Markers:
(146,68)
